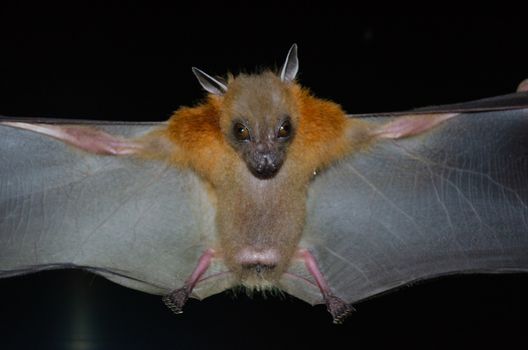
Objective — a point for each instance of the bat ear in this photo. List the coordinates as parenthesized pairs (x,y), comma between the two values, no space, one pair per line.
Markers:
(215,86)
(290,67)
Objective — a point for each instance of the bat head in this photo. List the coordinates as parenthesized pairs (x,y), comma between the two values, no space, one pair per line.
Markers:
(259,115)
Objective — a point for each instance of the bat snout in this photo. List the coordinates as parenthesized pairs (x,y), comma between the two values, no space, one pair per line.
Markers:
(265,166)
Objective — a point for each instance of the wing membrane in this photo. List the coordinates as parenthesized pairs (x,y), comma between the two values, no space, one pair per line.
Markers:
(139,223)
(454,200)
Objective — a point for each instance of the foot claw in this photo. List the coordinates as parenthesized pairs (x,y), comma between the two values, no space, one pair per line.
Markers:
(176,300)
(338,308)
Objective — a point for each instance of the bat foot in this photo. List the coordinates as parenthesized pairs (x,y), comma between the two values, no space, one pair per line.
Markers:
(176,300)
(338,308)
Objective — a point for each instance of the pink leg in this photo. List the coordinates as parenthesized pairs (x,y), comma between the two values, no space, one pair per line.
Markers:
(177,298)
(338,308)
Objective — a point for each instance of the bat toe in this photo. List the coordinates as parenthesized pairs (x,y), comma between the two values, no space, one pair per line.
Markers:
(176,300)
(338,308)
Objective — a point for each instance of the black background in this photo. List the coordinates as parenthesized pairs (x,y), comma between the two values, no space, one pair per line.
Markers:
(130,62)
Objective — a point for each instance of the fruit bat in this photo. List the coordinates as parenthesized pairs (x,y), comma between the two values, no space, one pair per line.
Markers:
(265,186)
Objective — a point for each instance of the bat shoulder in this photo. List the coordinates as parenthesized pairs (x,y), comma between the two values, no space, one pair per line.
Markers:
(324,132)
(197,137)
(189,125)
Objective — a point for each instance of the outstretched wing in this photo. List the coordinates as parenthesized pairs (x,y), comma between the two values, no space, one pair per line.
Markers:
(139,223)
(451,200)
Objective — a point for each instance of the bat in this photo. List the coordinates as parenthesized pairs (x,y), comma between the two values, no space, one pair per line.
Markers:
(266,187)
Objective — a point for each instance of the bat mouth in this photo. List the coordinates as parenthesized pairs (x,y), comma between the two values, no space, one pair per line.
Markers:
(264,172)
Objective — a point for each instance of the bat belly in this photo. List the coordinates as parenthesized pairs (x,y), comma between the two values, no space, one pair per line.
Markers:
(259,227)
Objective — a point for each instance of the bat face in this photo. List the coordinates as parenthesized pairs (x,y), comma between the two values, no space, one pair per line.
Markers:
(259,121)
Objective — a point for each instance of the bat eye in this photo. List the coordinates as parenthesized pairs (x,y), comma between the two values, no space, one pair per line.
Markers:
(284,130)
(241,132)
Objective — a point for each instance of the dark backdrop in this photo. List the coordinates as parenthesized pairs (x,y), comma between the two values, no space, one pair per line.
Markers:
(128,62)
